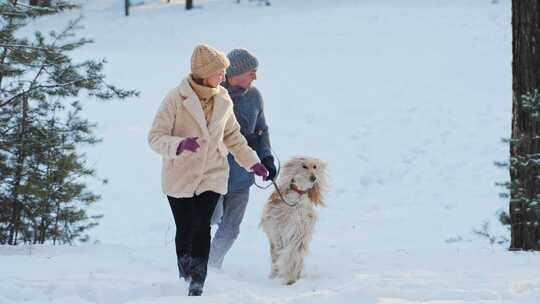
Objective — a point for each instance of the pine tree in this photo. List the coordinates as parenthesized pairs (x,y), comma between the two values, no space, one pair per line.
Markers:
(43,195)
(524,165)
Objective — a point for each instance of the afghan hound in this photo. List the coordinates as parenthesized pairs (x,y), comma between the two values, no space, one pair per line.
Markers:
(289,215)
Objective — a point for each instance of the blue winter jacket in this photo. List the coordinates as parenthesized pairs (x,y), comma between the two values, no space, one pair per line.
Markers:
(248,108)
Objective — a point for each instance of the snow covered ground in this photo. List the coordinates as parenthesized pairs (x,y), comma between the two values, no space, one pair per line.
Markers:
(405,100)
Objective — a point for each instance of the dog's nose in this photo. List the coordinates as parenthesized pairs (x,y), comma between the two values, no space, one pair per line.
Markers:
(313,178)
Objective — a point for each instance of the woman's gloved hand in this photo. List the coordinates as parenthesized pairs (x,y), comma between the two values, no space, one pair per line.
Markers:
(260,170)
(189,144)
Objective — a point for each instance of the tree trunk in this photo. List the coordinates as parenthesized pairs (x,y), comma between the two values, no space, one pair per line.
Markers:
(15,221)
(55,235)
(189,4)
(126,7)
(40,2)
(524,214)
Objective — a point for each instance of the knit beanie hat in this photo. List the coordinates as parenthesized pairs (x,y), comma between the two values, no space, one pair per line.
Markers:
(241,61)
(207,61)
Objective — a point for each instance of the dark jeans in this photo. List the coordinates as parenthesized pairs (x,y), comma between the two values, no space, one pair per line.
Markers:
(192,218)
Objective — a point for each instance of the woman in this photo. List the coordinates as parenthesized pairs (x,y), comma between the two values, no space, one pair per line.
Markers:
(194,129)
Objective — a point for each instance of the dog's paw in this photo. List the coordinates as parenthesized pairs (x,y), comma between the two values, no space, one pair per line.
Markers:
(272,275)
(290,282)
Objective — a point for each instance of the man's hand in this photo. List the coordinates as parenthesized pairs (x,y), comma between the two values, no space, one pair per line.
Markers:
(268,162)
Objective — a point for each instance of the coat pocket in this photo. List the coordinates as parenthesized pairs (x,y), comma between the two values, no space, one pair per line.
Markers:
(184,159)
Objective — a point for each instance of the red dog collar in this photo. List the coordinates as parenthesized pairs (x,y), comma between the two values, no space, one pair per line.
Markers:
(295,189)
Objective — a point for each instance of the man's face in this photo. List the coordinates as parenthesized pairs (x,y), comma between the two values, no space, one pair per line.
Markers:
(244,80)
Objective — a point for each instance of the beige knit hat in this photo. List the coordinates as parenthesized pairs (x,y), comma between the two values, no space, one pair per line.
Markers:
(207,61)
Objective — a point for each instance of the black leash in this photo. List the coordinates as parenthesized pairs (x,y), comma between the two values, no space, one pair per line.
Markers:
(274,183)
(281,195)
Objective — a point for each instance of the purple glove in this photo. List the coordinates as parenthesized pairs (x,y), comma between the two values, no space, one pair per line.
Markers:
(190,144)
(260,170)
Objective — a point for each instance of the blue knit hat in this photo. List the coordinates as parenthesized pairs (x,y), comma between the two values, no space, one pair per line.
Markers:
(241,61)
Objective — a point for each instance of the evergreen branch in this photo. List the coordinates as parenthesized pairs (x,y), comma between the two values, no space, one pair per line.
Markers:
(22,46)
(529,162)
(52,86)
(68,46)
(17,9)
(62,185)
(24,92)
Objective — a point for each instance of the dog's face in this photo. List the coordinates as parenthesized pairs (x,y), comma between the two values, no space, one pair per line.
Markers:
(308,174)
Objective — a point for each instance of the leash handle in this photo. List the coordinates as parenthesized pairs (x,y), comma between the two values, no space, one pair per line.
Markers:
(277,171)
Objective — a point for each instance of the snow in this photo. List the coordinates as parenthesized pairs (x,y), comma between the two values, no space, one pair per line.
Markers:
(405,100)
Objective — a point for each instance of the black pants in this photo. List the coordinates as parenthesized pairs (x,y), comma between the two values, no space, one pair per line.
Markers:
(192,218)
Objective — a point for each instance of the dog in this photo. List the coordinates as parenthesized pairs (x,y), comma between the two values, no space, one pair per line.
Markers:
(289,221)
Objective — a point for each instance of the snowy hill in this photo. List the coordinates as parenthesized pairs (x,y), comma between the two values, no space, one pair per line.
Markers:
(405,100)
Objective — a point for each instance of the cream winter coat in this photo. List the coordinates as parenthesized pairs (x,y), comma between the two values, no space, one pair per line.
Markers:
(179,116)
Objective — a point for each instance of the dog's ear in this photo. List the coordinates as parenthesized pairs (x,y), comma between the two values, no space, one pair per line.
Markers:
(315,195)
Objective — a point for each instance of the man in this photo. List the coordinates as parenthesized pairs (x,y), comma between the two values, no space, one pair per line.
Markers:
(248,109)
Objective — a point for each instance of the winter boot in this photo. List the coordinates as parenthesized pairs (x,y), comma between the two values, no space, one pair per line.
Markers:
(198,276)
(195,289)
(184,267)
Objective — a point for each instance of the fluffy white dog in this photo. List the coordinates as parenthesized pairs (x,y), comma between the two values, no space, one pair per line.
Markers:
(289,224)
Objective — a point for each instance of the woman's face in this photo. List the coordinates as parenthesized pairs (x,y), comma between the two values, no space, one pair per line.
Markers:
(214,80)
